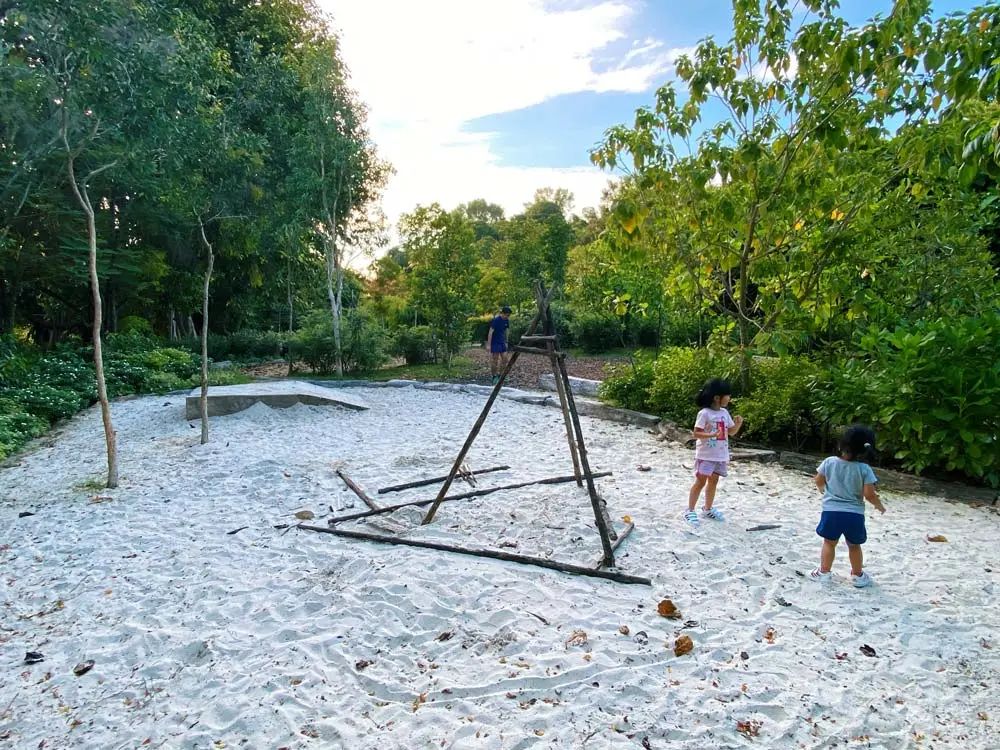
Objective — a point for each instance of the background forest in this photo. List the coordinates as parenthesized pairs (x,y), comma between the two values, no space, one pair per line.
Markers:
(810,209)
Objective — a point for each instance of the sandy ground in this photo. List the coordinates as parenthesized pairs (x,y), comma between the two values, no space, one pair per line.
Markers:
(273,638)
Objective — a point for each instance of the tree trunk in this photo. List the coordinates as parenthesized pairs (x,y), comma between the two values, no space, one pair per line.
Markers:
(291,305)
(95,289)
(203,399)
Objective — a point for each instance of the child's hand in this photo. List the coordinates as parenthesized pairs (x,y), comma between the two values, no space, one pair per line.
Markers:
(879,507)
(738,420)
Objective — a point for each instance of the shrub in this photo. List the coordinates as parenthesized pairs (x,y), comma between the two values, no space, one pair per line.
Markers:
(135,324)
(629,384)
(17,426)
(678,375)
(364,343)
(930,389)
(778,407)
(596,332)
(48,402)
(415,344)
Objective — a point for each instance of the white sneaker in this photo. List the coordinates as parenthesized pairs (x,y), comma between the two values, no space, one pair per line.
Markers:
(820,577)
(862,581)
(714,513)
(692,518)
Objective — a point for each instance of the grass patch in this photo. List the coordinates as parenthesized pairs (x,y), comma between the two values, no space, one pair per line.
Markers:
(91,485)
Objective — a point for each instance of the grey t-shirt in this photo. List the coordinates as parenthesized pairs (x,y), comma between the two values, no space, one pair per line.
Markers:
(845,482)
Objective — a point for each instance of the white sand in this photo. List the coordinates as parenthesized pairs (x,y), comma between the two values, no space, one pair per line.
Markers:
(259,639)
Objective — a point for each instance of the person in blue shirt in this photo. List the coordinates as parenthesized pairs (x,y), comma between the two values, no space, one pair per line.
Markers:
(846,482)
(496,342)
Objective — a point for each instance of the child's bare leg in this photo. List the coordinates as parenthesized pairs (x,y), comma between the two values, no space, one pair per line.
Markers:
(494,362)
(827,554)
(857,558)
(699,482)
(713,482)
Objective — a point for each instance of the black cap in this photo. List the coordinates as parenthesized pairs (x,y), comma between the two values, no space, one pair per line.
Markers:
(505,309)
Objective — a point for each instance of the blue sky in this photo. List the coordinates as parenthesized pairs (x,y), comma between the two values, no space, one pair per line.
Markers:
(560,131)
(495,98)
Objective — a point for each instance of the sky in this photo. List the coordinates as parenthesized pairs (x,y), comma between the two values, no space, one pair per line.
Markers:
(496,98)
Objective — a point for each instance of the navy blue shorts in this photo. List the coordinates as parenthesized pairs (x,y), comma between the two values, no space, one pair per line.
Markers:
(833,524)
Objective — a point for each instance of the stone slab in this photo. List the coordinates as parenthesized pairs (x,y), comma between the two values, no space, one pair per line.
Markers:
(229,399)
(579,386)
(590,408)
(753,454)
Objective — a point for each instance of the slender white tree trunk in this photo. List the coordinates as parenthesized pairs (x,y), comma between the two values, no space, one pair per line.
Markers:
(80,191)
(203,398)
(334,269)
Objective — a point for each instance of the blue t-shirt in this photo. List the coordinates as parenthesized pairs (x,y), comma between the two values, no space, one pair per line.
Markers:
(499,341)
(845,483)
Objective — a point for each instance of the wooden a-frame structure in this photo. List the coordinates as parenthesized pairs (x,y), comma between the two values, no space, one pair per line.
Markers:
(545,344)
(531,343)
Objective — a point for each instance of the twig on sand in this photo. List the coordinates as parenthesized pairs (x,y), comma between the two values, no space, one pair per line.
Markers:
(544,621)
(236,531)
(764,527)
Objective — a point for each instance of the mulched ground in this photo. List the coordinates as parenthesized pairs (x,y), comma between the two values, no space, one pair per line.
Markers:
(528,368)
(525,373)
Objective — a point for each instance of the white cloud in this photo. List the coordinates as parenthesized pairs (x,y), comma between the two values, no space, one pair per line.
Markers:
(427,68)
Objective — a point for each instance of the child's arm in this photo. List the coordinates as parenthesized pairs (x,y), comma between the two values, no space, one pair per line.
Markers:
(705,434)
(820,481)
(737,424)
(489,338)
(872,496)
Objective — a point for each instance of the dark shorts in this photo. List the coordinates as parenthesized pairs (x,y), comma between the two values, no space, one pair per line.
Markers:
(497,347)
(834,524)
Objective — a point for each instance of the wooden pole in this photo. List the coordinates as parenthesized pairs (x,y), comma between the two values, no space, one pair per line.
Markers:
(434,480)
(462,496)
(477,426)
(629,528)
(496,555)
(357,490)
(600,513)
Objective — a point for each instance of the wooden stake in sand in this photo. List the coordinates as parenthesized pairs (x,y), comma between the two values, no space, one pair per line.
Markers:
(496,555)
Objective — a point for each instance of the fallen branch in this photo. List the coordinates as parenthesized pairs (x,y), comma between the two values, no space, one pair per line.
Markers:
(765,527)
(357,490)
(434,480)
(236,531)
(462,496)
(505,556)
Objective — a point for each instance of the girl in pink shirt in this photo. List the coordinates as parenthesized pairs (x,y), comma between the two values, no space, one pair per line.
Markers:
(712,428)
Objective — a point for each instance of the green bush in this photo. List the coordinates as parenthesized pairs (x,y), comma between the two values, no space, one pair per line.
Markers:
(678,375)
(363,343)
(596,332)
(17,426)
(629,385)
(135,324)
(48,402)
(778,407)
(415,344)
(931,391)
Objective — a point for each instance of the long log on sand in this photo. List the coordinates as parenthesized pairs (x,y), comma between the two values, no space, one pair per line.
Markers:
(462,496)
(357,490)
(506,556)
(434,480)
